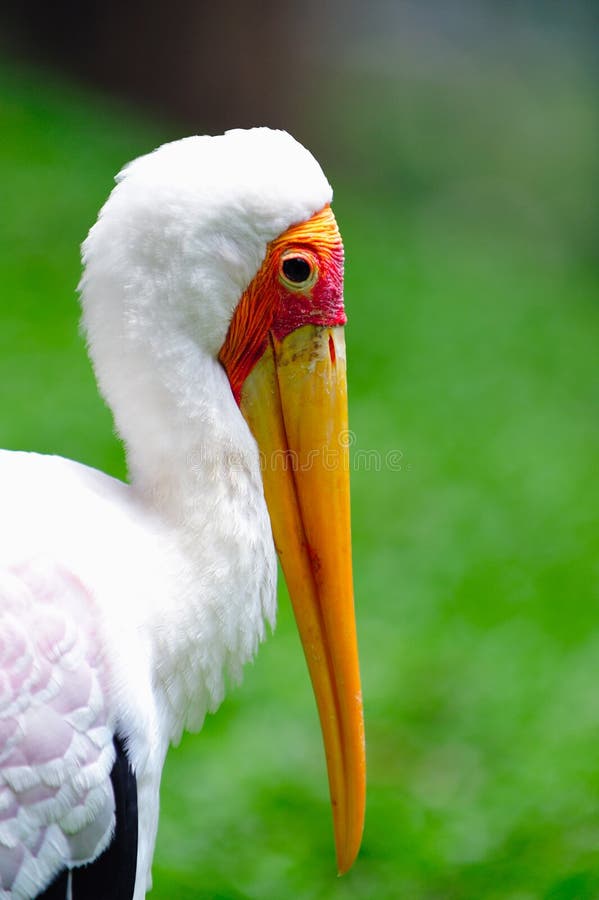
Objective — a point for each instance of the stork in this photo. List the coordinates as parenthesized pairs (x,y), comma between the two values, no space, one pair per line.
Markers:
(212,298)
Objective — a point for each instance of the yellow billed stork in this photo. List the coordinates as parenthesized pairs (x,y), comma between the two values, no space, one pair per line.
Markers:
(212,299)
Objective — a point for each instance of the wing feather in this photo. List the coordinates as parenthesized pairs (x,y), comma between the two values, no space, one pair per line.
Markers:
(57,747)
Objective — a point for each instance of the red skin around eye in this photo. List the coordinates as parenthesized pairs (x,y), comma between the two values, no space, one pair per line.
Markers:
(321,305)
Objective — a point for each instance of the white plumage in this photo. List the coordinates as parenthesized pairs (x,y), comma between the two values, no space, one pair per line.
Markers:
(125,607)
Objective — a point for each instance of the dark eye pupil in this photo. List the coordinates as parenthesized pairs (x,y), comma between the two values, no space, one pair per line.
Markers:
(296,269)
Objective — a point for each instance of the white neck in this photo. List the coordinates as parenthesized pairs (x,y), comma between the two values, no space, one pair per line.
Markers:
(194,463)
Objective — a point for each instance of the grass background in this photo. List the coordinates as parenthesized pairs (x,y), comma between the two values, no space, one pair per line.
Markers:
(465,205)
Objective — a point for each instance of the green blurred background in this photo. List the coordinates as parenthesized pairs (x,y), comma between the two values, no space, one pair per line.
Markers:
(461,142)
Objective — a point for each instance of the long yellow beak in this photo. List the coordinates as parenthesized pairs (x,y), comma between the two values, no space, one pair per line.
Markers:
(295,402)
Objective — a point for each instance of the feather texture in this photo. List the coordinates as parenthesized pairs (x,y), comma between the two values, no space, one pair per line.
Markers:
(56,733)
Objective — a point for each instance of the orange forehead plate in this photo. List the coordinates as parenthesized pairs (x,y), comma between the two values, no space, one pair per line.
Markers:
(321,230)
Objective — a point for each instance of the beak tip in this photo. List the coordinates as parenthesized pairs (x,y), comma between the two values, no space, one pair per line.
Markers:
(347,853)
(343,866)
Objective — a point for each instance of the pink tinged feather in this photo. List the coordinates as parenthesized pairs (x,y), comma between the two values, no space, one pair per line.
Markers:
(7,802)
(9,836)
(75,693)
(10,863)
(47,736)
(56,750)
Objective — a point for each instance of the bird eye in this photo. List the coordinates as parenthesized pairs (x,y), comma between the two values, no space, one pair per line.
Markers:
(297,271)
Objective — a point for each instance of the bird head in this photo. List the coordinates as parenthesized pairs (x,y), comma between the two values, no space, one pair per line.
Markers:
(229,246)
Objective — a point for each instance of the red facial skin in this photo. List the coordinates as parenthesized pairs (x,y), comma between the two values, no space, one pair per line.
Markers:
(271,304)
(322,304)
